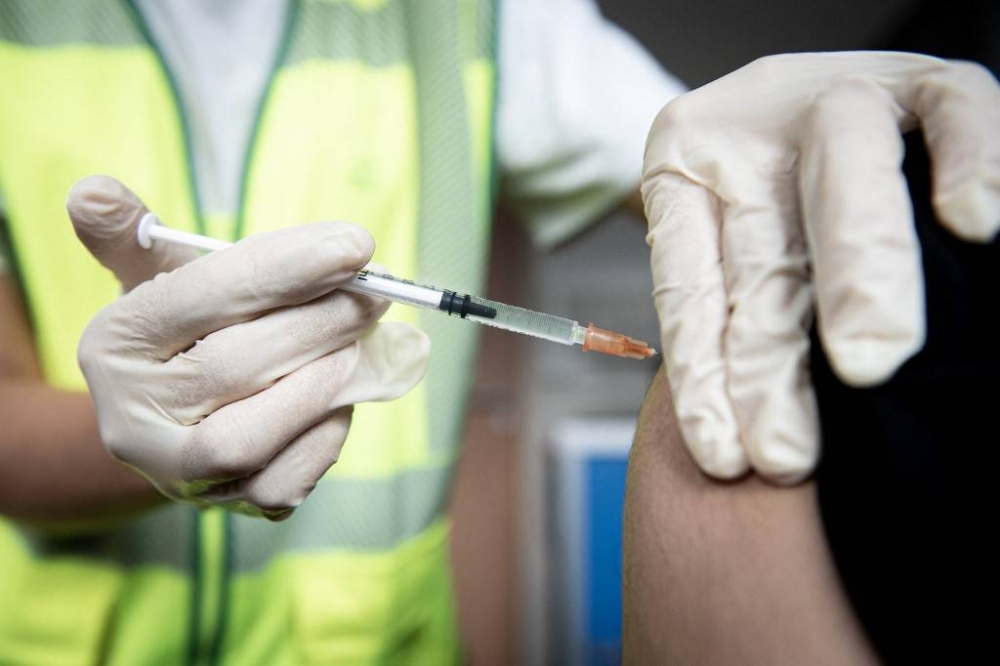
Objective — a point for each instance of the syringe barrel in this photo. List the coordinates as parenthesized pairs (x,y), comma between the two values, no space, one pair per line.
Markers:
(528,322)
(395,289)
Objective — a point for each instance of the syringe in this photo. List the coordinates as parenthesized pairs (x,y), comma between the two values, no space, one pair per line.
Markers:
(472,308)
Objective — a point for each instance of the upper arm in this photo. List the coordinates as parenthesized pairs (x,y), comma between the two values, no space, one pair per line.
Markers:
(576,98)
(714,572)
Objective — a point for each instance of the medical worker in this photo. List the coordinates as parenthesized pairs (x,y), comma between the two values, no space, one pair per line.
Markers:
(227,382)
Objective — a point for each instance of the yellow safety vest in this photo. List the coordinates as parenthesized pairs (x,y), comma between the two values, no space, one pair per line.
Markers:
(377,111)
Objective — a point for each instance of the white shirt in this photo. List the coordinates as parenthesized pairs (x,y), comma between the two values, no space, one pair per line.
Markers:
(576,98)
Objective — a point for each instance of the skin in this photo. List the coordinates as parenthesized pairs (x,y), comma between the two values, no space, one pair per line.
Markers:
(725,572)
(633,204)
(63,478)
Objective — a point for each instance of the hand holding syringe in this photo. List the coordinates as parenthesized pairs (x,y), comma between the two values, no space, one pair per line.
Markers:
(472,308)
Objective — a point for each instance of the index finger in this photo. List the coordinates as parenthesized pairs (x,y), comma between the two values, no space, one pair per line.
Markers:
(260,273)
(690,293)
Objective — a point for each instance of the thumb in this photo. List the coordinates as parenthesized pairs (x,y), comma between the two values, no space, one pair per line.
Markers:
(105,215)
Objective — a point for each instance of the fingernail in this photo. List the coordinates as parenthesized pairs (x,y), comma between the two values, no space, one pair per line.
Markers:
(865,362)
(724,462)
(349,244)
(278,516)
(101,206)
(786,464)
(972,212)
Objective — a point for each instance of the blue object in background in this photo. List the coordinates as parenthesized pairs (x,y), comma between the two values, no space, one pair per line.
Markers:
(588,460)
(605,504)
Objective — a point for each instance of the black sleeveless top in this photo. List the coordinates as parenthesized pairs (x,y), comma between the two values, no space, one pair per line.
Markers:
(907,475)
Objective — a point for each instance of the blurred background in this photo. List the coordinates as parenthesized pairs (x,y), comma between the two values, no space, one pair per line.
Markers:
(537,506)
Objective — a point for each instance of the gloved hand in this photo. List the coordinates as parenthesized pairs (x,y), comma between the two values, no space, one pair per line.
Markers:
(229,378)
(778,186)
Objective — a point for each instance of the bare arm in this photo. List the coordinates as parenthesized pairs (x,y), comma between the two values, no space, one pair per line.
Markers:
(723,573)
(55,469)
(633,204)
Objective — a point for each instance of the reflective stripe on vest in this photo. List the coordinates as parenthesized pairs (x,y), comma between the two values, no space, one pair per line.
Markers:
(379,112)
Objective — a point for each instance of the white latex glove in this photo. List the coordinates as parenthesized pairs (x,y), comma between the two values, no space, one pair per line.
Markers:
(229,379)
(781,179)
